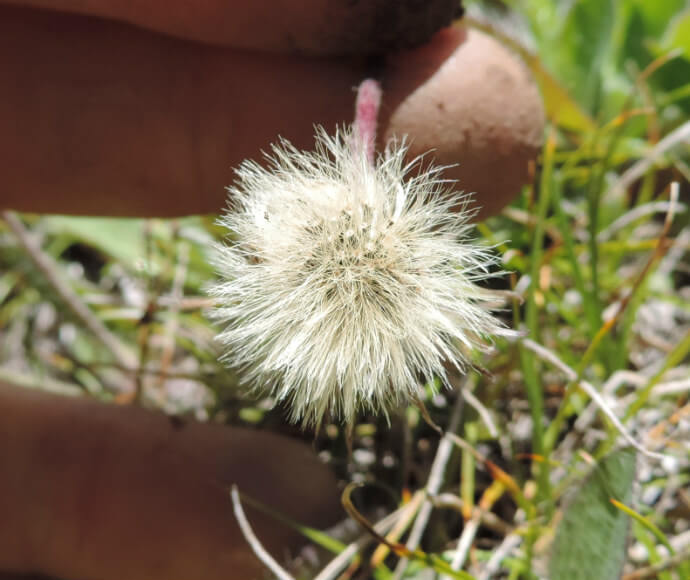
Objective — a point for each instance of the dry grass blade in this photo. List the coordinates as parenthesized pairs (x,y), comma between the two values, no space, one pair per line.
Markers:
(334,567)
(482,411)
(409,512)
(653,571)
(488,519)
(50,270)
(509,543)
(469,532)
(399,549)
(252,540)
(550,357)
(630,176)
(635,214)
(438,467)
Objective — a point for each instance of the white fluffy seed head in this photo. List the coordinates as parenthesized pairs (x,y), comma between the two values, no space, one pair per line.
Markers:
(347,284)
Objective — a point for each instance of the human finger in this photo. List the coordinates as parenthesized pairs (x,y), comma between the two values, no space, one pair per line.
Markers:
(99,491)
(305,27)
(102,118)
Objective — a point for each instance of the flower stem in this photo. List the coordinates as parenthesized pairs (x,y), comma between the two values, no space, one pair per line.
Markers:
(366,115)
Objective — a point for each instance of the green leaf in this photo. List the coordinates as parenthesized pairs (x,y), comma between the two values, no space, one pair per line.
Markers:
(678,34)
(120,238)
(560,107)
(591,538)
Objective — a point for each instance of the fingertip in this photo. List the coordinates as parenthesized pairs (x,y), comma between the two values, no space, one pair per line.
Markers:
(472,103)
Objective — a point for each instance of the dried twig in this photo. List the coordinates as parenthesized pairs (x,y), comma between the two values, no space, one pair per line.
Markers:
(487,518)
(672,388)
(50,270)
(662,246)
(408,514)
(469,532)
(673,258)
(253,541)
(176,295)
(341,560)
(612,384)
(653,571)
(675,137)
(550,357)
(634,214)
(509,543)
(525,218)
(482,411)
(48,384)
(436,475)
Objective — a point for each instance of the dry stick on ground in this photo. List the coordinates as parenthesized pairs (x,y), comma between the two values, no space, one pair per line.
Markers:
(550,357)
(176,295)
(479,515)
(438,468)
(47,266)
(409,513)
(469,532)
(482,411)
(634,214)
(200,376)
(653,571)
(331,571)
(675,137)
(672,261)
(47,384)
(509,543)
(487,518)
(662,247)
(590,413)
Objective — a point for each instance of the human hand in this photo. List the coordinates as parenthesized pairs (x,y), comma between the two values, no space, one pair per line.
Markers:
(107,492)
(99,117)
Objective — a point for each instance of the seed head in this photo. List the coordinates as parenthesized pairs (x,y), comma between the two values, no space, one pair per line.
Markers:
(348,282)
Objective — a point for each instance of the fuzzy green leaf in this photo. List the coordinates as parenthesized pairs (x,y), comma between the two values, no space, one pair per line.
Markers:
(591,538)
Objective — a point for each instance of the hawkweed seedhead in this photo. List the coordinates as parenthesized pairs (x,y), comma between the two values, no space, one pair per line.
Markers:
(351,279)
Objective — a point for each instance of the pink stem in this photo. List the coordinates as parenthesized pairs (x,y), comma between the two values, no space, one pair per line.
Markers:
(366,116)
